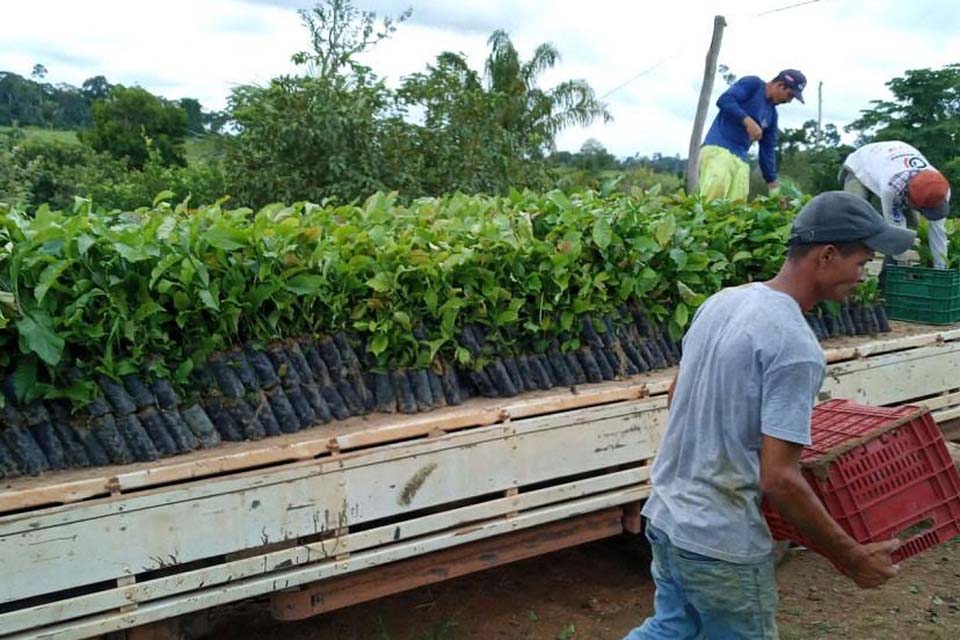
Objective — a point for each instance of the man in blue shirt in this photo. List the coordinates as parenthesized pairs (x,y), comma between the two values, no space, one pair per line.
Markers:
(748,113)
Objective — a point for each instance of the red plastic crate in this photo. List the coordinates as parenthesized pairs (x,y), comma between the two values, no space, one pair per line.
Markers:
(881,473)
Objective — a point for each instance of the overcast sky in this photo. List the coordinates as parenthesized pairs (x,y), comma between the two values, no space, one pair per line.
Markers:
(203,48)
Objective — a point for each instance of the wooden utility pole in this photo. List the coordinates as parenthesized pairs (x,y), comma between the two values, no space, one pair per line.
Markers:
(820,113)
(709,73)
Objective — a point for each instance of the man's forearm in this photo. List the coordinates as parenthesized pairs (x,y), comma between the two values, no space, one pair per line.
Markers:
(799,505)
(939,242)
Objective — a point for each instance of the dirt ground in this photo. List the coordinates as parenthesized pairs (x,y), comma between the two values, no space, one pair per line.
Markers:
(601,590)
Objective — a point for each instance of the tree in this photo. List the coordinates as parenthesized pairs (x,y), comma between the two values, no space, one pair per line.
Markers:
(339,131)
(924,111)
(196,124)
(594,157)
(535,115)
(462,144)
(339,32)
(302,138)
(492,131)
(71,110)
(810,158)
(131,121)
(95,88)
(332,133)
(31,102)
(39,72)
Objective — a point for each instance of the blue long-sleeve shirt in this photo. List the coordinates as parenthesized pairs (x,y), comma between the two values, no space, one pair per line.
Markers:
(747,97)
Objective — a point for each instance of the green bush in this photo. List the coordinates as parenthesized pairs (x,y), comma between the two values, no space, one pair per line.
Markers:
(36,171)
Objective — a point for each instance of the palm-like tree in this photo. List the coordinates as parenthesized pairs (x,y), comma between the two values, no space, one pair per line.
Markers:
(488,131)
(534,114)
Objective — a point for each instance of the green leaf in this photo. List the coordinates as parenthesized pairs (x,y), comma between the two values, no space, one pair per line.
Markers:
(681,314)
(38,336)
(434,346)
(225,239)
(696,262)
(80,392)
(645,244)
(378,235)
(305,284)
(49,277)
(430,299)
(686,293)
(602,233)
(131,253)
(403,319)
(679,257)
(208,300)
(378,344)
(181,301)
(674,331)
(163,196)
(741,255)
(665,230)
(187,271)
(558,198)
(202,273)
(448,321)
(182,372)
(84,242)
(507,316)
(25,378)
(162,267)
(380,282)
(166,228)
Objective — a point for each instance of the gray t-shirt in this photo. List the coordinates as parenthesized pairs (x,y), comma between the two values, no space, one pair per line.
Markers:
(751,366)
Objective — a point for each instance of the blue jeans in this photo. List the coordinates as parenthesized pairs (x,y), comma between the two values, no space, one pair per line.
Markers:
(700,597)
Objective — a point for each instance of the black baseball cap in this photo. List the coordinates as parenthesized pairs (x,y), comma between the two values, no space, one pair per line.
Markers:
(793,79)
(835,217)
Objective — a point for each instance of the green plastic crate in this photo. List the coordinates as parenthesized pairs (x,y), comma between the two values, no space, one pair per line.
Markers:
(918,294)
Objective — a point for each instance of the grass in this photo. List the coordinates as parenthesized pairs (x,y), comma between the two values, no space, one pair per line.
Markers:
(202,149)
(47,135)
(198,149)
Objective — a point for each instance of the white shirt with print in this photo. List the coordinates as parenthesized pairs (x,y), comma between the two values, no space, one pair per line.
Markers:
(885,169)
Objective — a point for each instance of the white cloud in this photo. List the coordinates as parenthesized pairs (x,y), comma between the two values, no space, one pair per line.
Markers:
(203,48)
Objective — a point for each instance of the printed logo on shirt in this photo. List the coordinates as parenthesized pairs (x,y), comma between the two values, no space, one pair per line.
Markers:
(910,161)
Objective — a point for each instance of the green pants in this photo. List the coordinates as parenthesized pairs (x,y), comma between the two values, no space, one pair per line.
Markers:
(723,175)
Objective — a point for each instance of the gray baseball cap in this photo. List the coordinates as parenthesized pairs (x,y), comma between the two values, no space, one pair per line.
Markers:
(834,217)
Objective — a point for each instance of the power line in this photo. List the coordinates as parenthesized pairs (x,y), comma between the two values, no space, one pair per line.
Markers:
(676,53)
(641,74)
(786,8)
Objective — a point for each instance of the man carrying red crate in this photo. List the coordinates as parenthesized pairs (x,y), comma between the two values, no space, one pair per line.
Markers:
(740,410)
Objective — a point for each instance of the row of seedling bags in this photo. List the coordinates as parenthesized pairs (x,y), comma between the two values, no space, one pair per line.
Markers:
(250,393)
(848,319)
